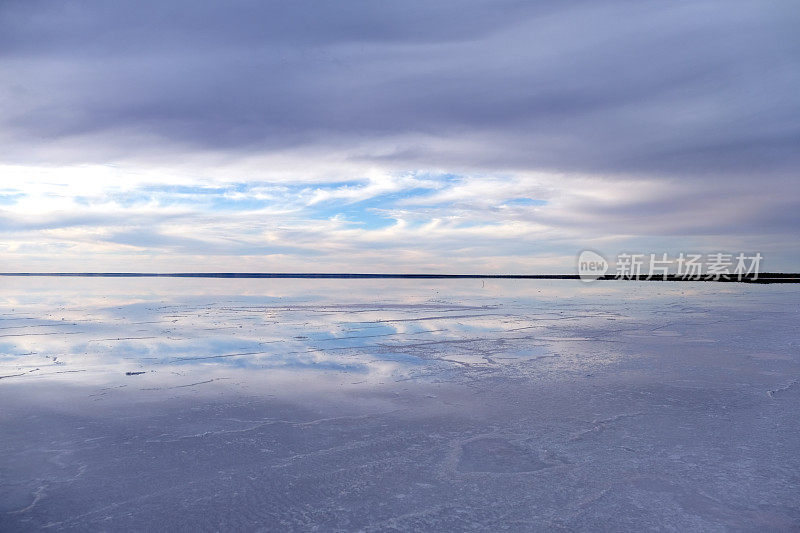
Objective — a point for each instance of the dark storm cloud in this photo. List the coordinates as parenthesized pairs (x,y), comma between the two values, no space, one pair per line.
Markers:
(680,88)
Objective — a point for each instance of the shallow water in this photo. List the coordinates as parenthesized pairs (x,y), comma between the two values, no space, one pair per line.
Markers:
(212,404)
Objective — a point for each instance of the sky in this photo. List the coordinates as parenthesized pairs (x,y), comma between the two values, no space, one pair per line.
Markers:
(417,136)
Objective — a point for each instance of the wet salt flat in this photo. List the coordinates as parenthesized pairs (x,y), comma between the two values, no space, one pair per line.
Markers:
(275,404)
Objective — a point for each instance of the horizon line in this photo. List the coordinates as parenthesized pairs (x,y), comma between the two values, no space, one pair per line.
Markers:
(765,277)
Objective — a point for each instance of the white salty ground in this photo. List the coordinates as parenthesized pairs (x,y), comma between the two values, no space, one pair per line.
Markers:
(141,404)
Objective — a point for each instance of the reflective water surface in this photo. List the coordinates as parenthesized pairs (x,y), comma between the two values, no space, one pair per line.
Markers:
(397,404)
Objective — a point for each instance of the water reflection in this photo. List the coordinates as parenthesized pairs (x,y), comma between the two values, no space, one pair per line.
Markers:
(374,330)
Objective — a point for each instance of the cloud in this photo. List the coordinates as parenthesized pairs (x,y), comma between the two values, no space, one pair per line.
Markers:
(388,133)
(470,224)
(618,86)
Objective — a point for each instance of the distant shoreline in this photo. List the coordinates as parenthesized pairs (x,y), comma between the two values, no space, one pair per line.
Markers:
(766,277)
